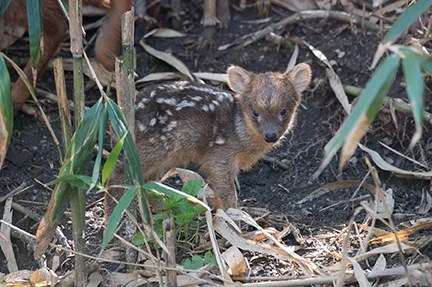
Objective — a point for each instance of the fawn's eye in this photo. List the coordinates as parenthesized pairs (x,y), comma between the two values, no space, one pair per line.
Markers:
(283,112)
(255,114)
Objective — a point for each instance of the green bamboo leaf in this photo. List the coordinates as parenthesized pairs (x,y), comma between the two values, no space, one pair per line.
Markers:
(174,193)
(426,63)
(415,87)
(111,161)
(101,137)
(76,161)
(6,108)
(35,24)
(407,18)
(116,215)
(79,181)
(375,89)
(4,4)
(119,126)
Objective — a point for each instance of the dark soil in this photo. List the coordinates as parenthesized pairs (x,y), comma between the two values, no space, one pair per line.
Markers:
(33,157)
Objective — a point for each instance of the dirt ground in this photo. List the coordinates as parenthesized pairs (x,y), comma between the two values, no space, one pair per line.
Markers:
(33,158)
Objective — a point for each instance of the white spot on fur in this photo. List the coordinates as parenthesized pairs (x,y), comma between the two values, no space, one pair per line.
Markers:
(152,94)
(163,138)
(141,126)
(205,108)
(152,140)
(152,122)
(216,103)
(167,101)
(212,107)
(169,112)
(196,98)
(169,127)
(184,104)
(220,140)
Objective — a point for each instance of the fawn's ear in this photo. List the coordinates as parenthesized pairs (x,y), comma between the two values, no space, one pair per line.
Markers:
(237,78)
(301,76)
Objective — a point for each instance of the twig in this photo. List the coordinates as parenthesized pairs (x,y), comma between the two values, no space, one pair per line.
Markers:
(5,242)
(301,16)
(127,97)
(170,258)
(77,201)
(23,187)
(272,160)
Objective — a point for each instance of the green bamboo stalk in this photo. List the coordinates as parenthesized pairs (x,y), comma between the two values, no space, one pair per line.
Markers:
(127,98)
(78,196)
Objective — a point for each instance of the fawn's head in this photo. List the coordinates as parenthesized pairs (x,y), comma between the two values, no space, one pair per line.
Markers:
(269,101)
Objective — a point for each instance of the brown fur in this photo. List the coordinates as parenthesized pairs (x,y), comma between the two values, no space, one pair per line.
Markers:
(182,123)
(55,28)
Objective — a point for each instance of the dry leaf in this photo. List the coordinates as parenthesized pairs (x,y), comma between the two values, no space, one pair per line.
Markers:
(164,33)
(334,79)
(387,249)
(336,185)
(380,264)
(360,275)
(43,278)
(237,263)
(296,5)
(5,240)
(382,164)
(3,140)
(385,205)
(357,132)
(94,279)
(168,58)
(17,279)
(425,203)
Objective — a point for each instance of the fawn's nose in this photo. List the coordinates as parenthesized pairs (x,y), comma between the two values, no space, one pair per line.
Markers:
(270,137)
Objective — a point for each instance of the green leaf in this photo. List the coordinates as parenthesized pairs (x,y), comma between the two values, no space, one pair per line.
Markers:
(209,258)
(119,126)
(4,4)
(79,181)
(415,87)
(6,108)
(192,187)
(174,193)
(368,104)
(196,262)
(35,24)
(76,161)
(407,18)
(101,136)
(426,63)
(117,213)
(111,161)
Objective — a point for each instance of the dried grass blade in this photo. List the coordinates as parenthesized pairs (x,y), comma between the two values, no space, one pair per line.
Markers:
(167,58)
(382,164)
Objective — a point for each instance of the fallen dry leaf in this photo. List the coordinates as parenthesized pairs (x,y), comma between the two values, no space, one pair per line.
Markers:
(168,58)
(237,263)
(4,135)
(382,164)
(164,33)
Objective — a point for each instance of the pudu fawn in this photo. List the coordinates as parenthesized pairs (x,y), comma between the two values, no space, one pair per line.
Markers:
(182,122)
